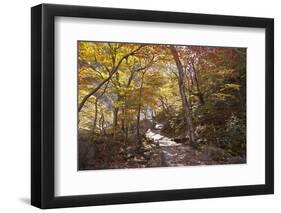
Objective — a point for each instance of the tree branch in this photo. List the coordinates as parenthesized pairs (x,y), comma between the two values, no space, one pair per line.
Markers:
(112,72)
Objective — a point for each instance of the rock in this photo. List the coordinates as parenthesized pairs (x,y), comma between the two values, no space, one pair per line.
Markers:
(129,155)
(181,140)
(154,161)
(213,153)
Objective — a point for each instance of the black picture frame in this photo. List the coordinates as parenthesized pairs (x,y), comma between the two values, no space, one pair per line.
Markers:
(43,111)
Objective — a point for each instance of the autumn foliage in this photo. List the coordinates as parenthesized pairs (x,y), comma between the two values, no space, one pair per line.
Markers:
(131,95)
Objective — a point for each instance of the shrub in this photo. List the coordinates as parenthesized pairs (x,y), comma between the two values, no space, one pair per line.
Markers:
(234,138)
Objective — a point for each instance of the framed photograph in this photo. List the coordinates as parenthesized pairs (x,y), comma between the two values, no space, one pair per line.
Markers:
(139,106)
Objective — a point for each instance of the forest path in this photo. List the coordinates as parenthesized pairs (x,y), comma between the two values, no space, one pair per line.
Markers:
(173,153)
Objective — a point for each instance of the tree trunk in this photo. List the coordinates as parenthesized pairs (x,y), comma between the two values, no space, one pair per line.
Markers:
(115,120)
(185,102)
(101,123)
(139,110)
(164,106)
(96,115)
(123,119)
(126,121)
(199,93)
(123,123)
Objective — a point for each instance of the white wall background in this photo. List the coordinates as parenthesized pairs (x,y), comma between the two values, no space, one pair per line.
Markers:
(15,105)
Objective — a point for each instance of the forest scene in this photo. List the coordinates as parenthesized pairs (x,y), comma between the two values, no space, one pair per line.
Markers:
(160,105)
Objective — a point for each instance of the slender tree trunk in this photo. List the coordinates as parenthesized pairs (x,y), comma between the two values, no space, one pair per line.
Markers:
(126,130)
(139,110)
(126,120)
(115,120)
(123,122)
(96,115)
(185,102)
(101,123)
(199,92)
(164,106)
(145,114)
(123,119)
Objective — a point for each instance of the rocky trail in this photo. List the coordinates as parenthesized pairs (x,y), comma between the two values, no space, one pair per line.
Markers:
(177,154)
(157,151)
